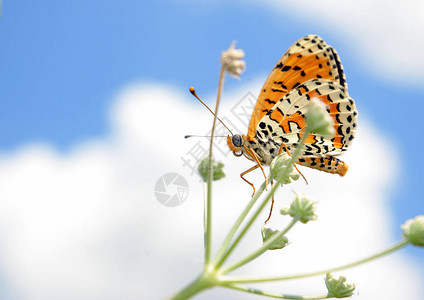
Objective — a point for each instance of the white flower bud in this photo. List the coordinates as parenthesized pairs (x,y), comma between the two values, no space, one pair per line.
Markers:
(413,231)
(318,120)
(232,61)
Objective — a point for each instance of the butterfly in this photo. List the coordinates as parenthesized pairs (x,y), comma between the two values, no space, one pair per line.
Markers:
(309,69)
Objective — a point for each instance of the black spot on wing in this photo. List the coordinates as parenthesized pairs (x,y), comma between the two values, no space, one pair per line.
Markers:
(318,149)
(273,119)
(258,134)
(269,128)
(280,111)
(270,101)
(284,140)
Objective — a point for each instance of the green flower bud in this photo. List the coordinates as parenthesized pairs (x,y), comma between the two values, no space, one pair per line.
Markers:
(203,169)
(338,288)
(282,169)
(302,208)
(413,231)
(280,243)
(318,120)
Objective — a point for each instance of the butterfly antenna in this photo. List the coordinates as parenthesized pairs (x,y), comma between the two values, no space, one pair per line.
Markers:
(193,92)
(193,135)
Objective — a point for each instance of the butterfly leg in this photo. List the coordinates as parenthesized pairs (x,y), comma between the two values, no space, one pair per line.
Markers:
(255,157)
(247,171)
(272,204)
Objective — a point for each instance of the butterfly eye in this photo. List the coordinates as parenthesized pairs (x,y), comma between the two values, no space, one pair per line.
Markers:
(237,140)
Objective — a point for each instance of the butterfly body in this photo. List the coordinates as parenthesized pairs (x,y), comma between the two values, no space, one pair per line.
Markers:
(309,69)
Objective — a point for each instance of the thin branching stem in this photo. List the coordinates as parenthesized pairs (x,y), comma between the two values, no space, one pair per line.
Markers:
(208,204)
(272,294)
(233,279)
(258,252)
(202,282)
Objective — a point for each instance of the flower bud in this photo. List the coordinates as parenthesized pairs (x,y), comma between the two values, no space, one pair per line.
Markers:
(280,243)
(338,288)
(203,169)
(282,169)
(318,120)
(302,208)
(232,61)
(413,231)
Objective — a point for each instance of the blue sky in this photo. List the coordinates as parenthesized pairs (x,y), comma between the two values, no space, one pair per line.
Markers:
(63,62)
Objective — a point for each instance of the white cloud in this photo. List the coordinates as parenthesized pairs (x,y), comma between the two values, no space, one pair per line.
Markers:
(86,225)
(386,35)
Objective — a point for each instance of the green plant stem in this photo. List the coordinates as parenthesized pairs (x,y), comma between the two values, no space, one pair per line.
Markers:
(273,295)
(395,247)
(265,246)
(201,283)
(208,205)
(223,252)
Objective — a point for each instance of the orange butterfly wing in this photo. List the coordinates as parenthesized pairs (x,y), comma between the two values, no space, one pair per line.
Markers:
(308,58)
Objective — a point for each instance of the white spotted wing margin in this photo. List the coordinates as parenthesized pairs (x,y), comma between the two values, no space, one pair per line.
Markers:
(313,43)
(339,105)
